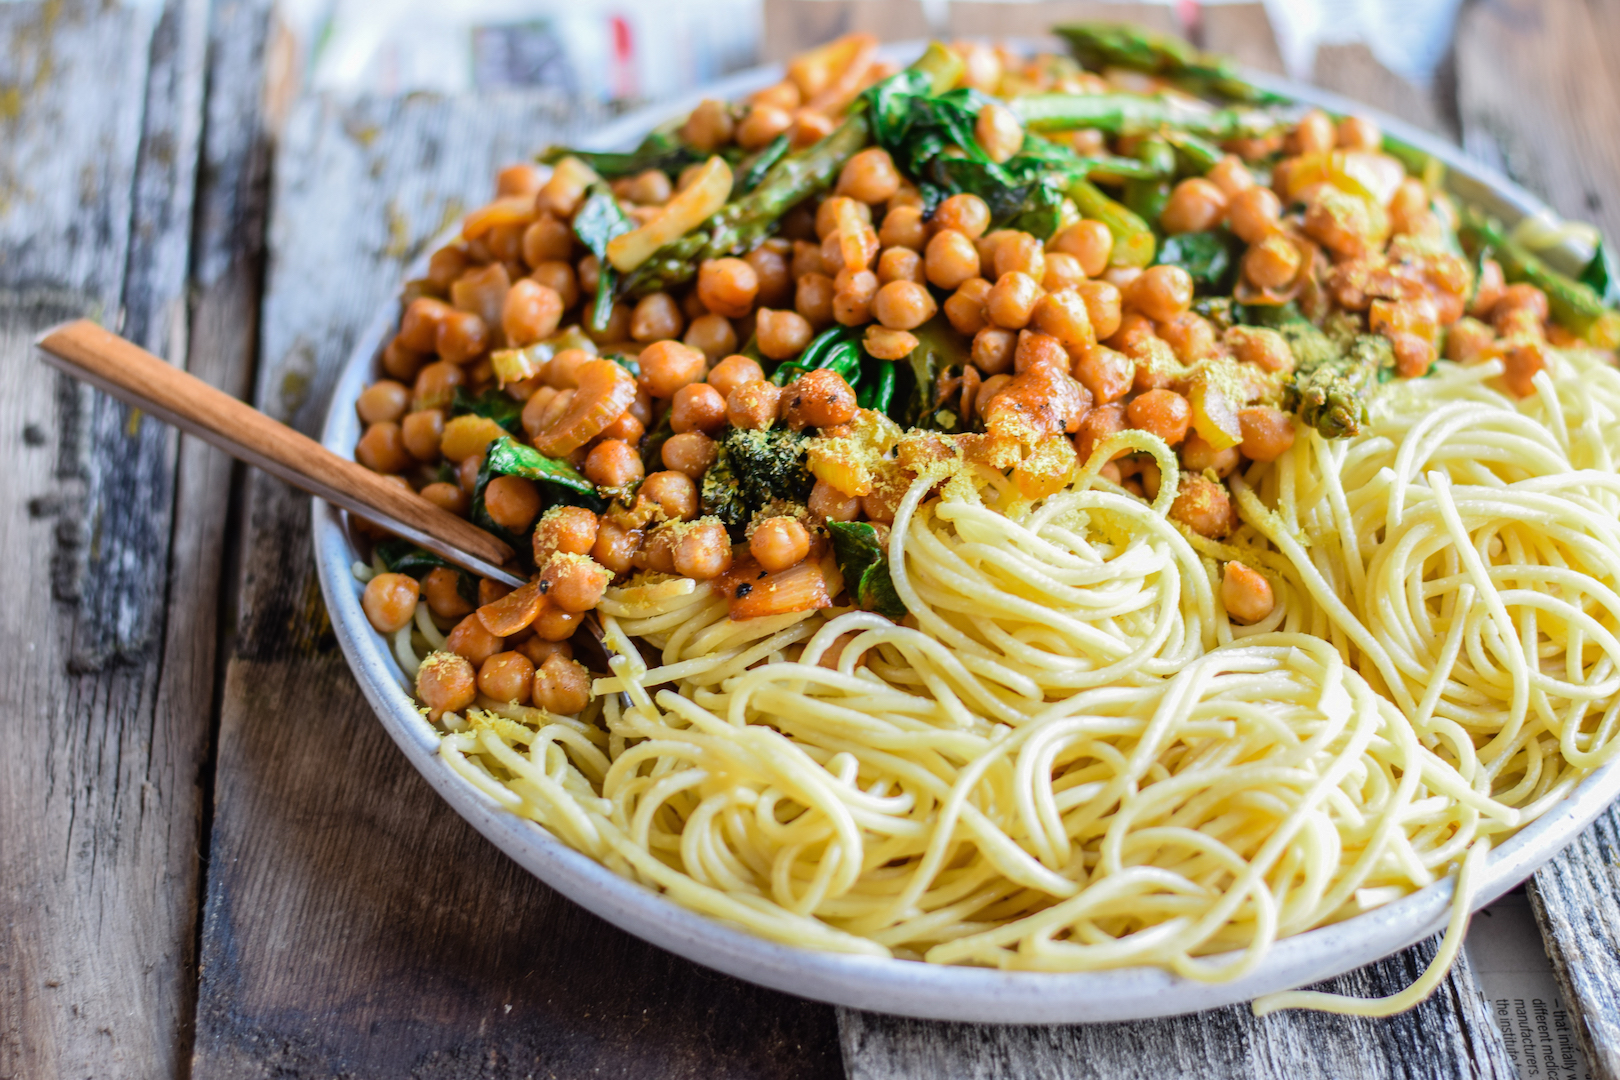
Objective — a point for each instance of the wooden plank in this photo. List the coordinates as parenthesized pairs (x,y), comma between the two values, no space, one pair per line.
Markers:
(1353,70)
(995,19)
(108,688)
(792,25)
(1243,32)
(1536,86)
(354,925)
(1450,1035)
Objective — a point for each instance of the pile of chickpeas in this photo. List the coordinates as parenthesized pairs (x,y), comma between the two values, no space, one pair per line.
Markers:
(1124,343)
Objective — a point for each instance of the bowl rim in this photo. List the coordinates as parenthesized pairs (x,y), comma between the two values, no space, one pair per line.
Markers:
(905,987)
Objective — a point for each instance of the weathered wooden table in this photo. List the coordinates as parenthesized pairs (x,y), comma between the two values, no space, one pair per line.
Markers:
(212,861)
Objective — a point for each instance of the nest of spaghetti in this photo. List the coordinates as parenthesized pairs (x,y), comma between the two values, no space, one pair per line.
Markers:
(1054,513)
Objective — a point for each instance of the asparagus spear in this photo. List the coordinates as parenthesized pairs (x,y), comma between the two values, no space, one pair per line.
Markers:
(1133,239)
(1100,45)
(1573,304)
(741,224)
(1334,376)
(1131,114)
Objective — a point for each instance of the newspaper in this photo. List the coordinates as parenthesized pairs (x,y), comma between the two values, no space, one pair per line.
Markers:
(1504,947)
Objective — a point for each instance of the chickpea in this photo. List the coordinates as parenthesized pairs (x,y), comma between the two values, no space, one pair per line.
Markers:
(993,350)
(441,588)
(690,452)
(513,502)
(574,583)
(531,312)
(507,677)
(1011,300)
(702,550)
(1020,252)
(881,504)
(1245,594)
(1254,213)
(389,601)
(869,176)
(1520,297)
(728,286)
(1272,263)
(1063,272)
(419,326)
(400,362)
(562,686)
(446,265)
(382,449)
(903,227)
(1468,341)
(649,188)
(827,503)
(1204,507)
(613,463)
(470,639)
(537,649)
(445,682)
(998,131)
(697,407)
(951,259)
(616,548)
(1034,349)
(964,309)
(1190,335)
(762,124)
(709,127)
(900,264)
(1520,363)
(814,299)
(467,472)
(1099,424)
(547,240)
(1198,455)
(448,497)
(656,317)
(675,493)
(1267,432)
(771,271)
(1359,133)
(819,399)
(1064,315)
(382,400)
(1106,374)
(571,530)
(555,624)
(967,214)
(618,325)
(731,373)
(1265,349)
(1161,293)
(809,128)
(462,336)
(1088,241)
(778,543)
(1103,302)
(711,335)
(1230,175)
(903,305)
(666,366)
(1196,205)
(853,295)
(1314,134)
(782,334)
(1489,289)
(1164,413)
(988,390)
(753,405)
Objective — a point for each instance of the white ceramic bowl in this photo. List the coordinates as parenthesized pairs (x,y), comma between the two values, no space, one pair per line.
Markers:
(898,986)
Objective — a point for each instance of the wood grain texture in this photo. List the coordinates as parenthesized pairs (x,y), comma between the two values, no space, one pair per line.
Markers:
(1353,70)
(1536,87)
(1450,1035)
(792,25)
(107,684)
(353,924)
(993,19)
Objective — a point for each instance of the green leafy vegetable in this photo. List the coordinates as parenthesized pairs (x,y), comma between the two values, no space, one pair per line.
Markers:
(598,220)
(754,468)
(865,566)
(939,347)
(661,150)
(1602,275)
(838,348)
(493,404)
(1210,258)
(510,458)
(403,557)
